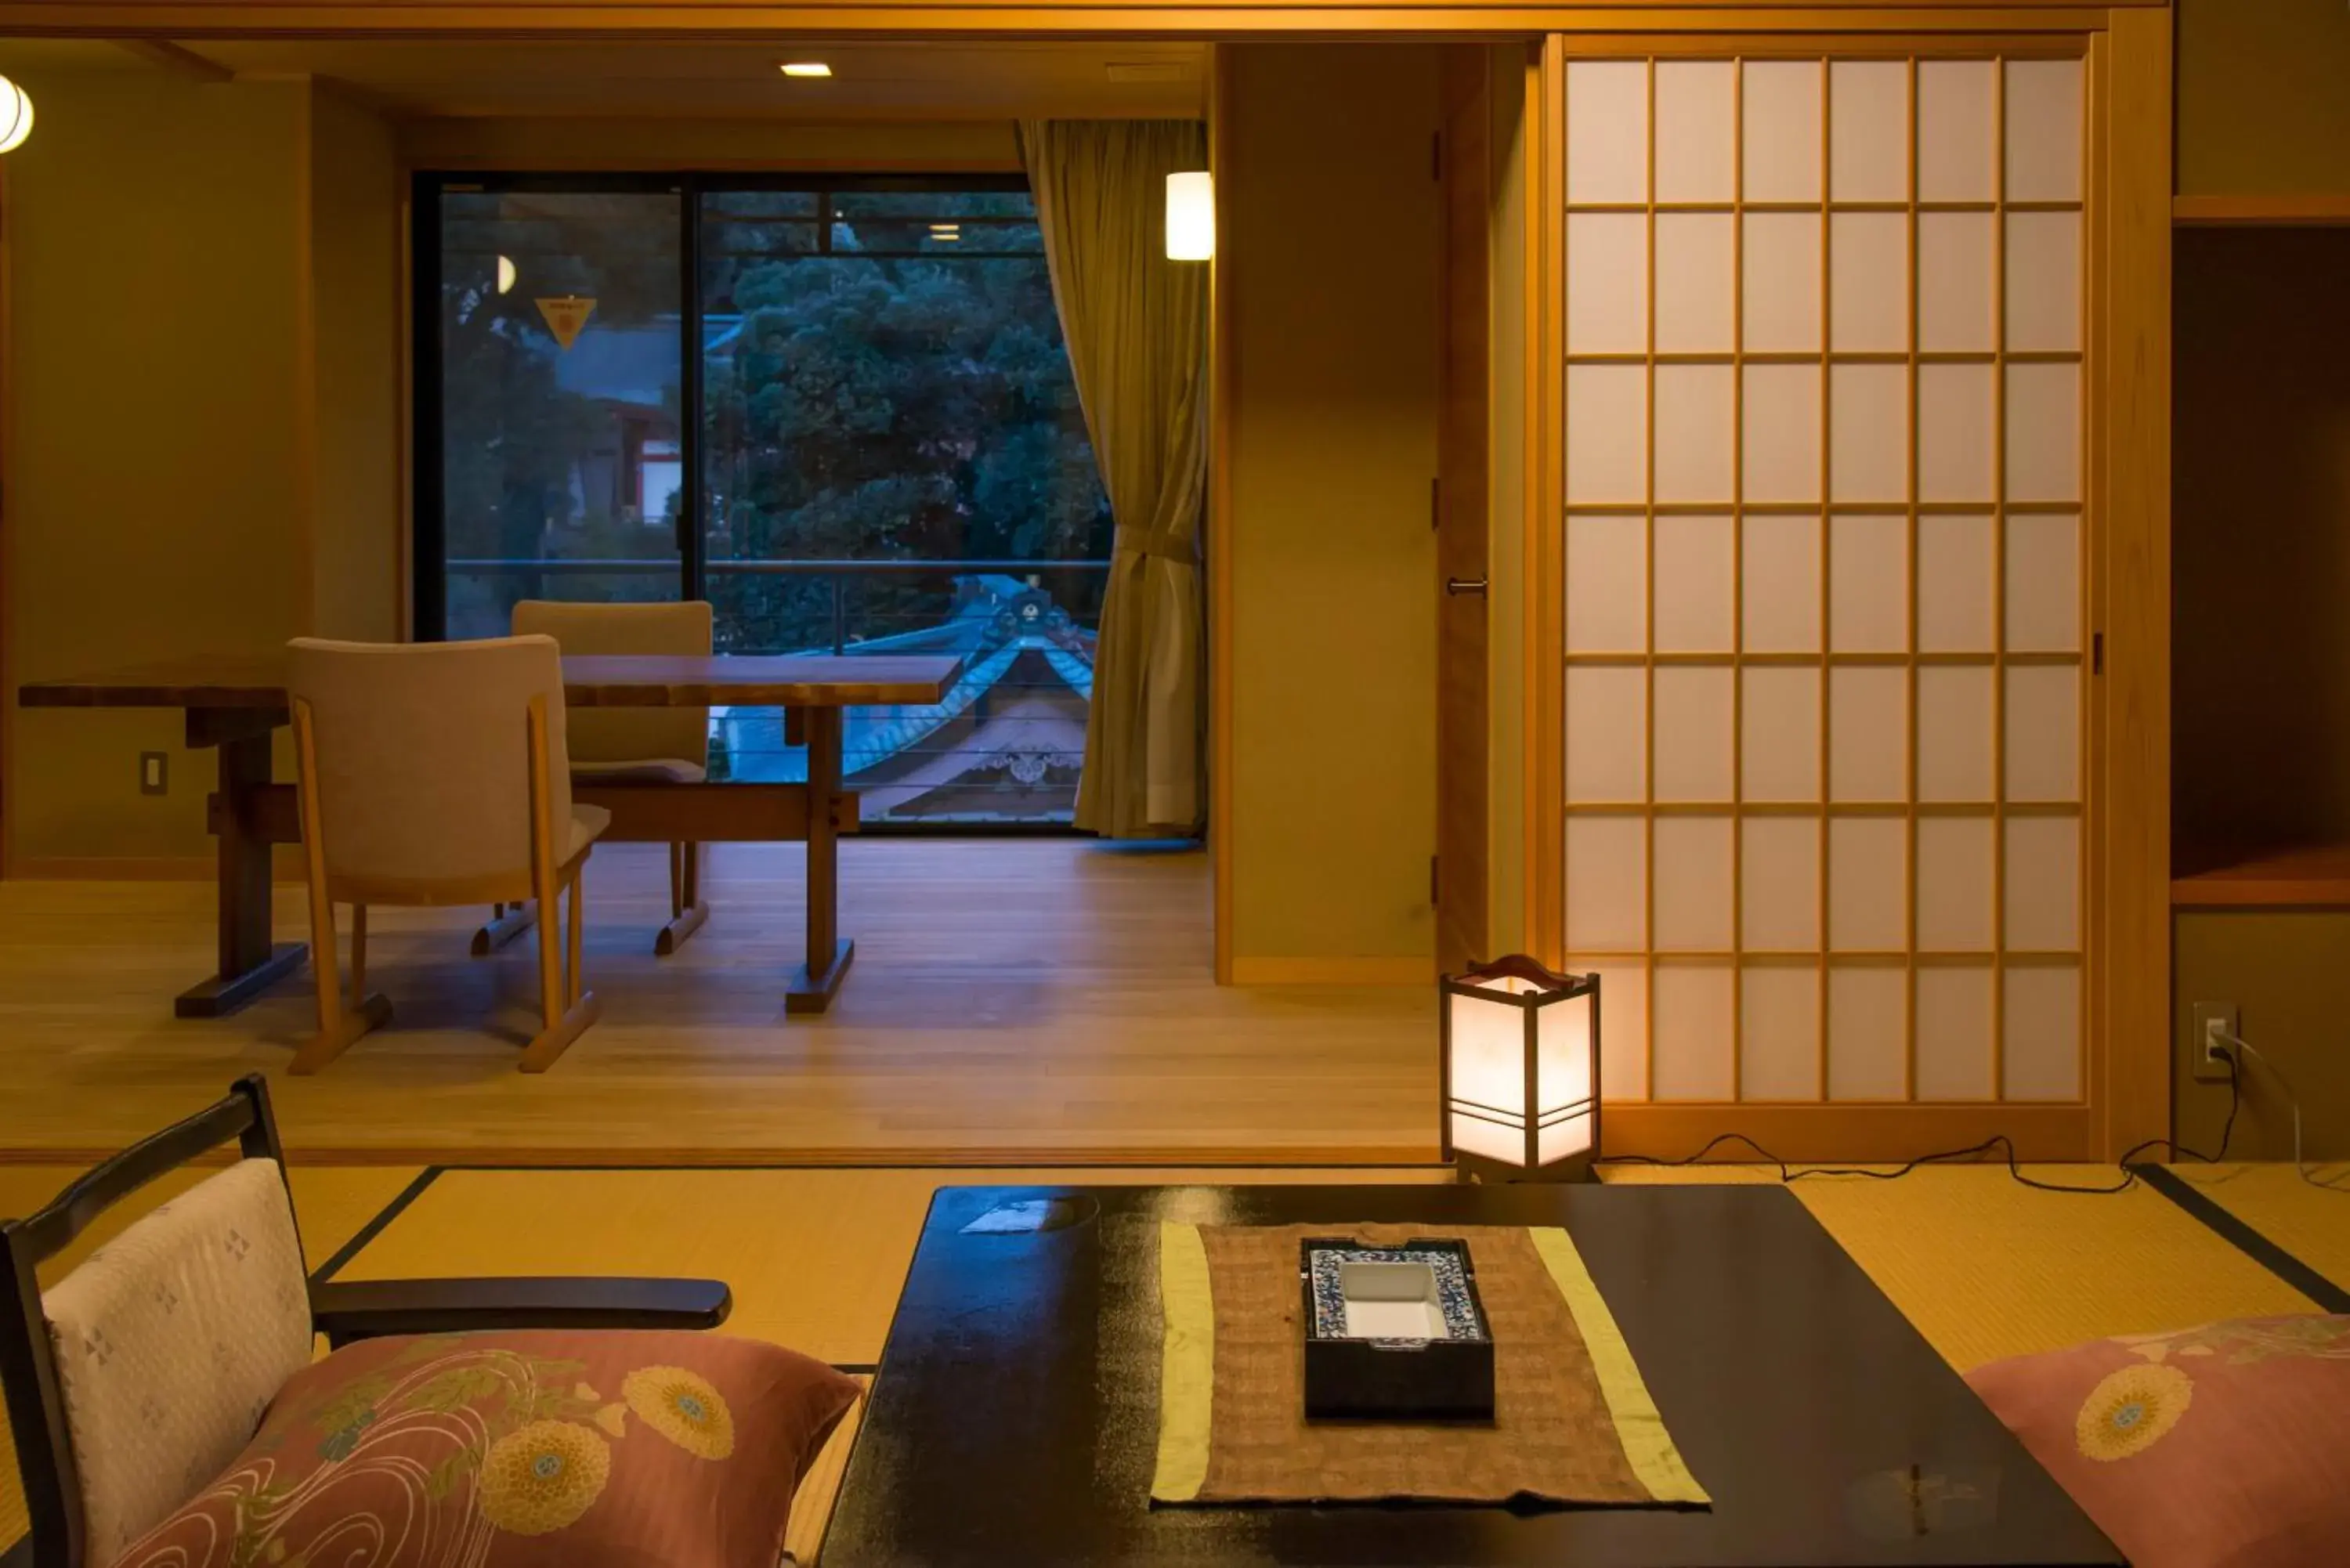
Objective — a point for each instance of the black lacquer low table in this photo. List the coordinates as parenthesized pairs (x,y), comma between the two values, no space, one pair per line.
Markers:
(1014,1417)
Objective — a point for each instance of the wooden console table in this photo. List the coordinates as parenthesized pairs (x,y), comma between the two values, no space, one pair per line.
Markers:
(233,703)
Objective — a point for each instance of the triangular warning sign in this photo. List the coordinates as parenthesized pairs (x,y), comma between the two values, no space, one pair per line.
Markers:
(565,317)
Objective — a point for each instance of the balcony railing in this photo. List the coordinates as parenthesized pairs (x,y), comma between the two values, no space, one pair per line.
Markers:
(1003,748)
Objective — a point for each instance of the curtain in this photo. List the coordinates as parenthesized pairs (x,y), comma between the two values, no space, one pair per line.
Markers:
(1137,328)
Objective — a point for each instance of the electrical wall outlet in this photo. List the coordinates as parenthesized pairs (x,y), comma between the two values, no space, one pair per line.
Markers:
(154,774)
(2214,1023)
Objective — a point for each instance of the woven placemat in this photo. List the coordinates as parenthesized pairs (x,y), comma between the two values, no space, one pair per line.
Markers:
(1573,1422)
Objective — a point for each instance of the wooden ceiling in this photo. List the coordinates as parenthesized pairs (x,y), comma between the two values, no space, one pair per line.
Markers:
(884,81)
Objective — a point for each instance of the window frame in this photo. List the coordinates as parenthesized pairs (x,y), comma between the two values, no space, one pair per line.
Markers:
(427,512)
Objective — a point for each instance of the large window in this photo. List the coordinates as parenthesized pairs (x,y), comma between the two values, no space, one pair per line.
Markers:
(839,410)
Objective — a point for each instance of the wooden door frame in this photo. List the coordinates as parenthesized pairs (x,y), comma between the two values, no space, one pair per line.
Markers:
(2125,808)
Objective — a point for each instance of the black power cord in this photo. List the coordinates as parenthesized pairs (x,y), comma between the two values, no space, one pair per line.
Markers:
(2000,1143)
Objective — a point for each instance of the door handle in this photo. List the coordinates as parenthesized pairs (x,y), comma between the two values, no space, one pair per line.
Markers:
(1459,586)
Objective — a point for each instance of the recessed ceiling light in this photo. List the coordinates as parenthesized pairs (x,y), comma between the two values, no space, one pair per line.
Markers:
(806,69)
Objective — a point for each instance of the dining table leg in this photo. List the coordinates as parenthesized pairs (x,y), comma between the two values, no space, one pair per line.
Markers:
(828,953)
(250,961)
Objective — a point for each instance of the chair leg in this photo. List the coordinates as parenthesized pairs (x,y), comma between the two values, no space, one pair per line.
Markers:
(338,1030)
(506,922)
(687,911)
(567,1008)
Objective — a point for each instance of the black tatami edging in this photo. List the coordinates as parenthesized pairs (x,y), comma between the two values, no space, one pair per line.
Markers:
(2241,1236)
(377,1225)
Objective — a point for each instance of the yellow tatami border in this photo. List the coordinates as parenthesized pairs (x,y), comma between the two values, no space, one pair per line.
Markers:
(1187,1365)
(1639,1427)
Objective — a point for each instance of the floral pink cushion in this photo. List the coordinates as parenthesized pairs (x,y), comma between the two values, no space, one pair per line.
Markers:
(2221,1446)
(505,1449)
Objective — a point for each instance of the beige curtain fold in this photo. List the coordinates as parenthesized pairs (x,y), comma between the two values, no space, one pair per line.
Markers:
(1136,328)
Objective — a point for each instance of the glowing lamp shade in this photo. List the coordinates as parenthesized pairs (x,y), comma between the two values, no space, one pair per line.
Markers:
(506,275)
(16,115)
(1192,216)
(1521,1072)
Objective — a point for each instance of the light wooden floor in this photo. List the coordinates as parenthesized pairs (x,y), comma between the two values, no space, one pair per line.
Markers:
(1015,999)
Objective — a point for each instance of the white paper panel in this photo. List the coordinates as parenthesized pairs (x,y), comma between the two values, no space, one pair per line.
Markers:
(1868,585)
(1868,156)
(1958,278)
(2043,583)
(1623,1026)
(1606,131)
(1692,1010)
(1955,567)
(1606,283)
(1954,735)
(1697,282)
(2043,432)
(1954,1034)
(1695,586)
(2043,733)
(1694,751)
(1693,884)
(1697,131)
(1783,141)
(1868,433)
(2043,884)
(1606,872)
(1606,433)
(1778,749)
(1697,424)
(1868,296)
(2044,281)
(1868,733)
(1606,584)
(1781,597)
(1955,417)
(1782,432)
(1779,884)
(2043,131)
(1607,734)
(1868,893)
(1784,283)
(1867,1033)
(1958,125)
(1779,1037)
(1954,878)
(2041,1046)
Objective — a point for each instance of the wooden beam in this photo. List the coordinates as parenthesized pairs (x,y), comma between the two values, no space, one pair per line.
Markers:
(751,22)
(176,59)
(2292,212)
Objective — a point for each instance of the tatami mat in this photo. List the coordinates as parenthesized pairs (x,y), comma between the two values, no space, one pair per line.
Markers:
(331,1205)
(2309,1219)
(1987,1268)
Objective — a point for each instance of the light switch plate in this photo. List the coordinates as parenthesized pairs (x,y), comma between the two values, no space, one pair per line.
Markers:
(154,773)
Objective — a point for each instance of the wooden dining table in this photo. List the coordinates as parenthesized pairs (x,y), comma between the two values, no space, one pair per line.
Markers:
(234,703)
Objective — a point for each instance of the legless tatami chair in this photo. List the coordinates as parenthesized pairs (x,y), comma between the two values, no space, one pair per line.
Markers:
(621,745)
(433,773)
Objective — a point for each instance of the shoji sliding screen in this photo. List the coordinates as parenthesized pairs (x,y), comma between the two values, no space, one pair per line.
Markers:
(1824,525)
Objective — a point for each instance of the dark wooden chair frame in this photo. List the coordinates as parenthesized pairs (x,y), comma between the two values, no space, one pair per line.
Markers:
(343,1313)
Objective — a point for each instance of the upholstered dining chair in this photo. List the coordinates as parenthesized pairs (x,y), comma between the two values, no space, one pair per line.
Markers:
(141,1378)
(432,774)
(641,745)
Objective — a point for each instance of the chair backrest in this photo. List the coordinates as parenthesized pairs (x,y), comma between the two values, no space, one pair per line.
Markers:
(629,734)
(422,754)
(140,1375)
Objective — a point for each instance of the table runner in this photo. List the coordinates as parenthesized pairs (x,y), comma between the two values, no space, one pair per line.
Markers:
(1572,1420)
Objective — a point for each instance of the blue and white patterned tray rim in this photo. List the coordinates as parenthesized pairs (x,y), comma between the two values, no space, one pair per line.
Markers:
(1451,1286)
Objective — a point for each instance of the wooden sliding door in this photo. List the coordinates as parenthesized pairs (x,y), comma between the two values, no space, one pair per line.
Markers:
(1825,564)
